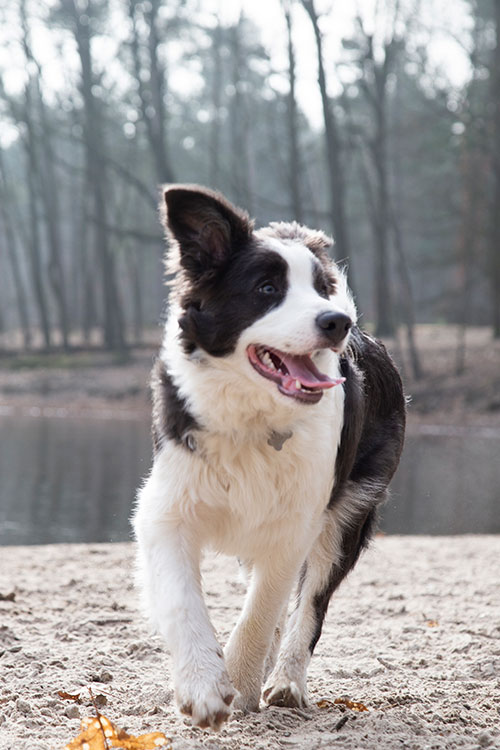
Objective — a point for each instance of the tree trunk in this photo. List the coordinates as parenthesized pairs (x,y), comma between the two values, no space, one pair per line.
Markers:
(214,156)
(240,133)
(12,253)
(407,298)
(383,296)
(42,158)
(495,208)
(295,172)
(152,94)
(94,137)
(333,149)
(34,246)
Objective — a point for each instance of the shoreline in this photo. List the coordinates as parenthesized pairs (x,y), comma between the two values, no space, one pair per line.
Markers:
(438,423)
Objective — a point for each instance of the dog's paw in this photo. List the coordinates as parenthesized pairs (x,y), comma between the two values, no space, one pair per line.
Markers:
(285,693)
(247,703)
(207,700)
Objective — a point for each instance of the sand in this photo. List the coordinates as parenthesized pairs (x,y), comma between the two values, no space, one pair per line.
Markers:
(413,634)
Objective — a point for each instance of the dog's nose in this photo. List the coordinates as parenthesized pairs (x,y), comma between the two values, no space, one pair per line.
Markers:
(334,325)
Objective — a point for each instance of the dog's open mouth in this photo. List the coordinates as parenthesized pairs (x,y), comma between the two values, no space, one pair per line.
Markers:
(296,374)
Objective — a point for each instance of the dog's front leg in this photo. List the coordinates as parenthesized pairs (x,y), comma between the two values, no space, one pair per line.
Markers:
(251,640)
(169,575)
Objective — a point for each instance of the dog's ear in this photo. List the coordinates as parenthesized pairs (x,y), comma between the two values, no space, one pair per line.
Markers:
(207,227)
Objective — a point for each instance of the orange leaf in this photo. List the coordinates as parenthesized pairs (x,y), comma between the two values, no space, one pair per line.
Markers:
(324,703)
(342,702)
(351,704)
(68,697)
(101,734)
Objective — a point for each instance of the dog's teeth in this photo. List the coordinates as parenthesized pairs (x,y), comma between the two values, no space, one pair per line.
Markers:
(298,385)
(268,361)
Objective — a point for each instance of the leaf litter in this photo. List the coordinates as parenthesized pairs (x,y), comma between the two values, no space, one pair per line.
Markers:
(99,733)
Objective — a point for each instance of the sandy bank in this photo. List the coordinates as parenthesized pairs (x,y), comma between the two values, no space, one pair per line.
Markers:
(414,634)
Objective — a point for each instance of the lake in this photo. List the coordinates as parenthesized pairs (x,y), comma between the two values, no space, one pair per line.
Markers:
(67,479)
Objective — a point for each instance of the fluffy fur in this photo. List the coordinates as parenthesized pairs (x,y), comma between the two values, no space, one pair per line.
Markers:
(277,426)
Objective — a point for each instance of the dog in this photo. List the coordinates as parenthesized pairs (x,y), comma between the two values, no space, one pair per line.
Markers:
(277,427)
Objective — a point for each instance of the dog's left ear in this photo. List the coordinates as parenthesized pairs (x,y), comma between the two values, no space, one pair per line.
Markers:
(207,227)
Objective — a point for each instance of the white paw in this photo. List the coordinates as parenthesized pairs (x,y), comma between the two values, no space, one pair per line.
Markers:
(205,697)
(285,693)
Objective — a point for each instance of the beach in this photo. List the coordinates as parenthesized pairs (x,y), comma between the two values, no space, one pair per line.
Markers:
(413,636)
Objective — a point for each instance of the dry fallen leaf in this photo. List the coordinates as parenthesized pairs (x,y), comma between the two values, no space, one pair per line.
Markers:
(350,704)
(432,623)
(100,734)
(68,696)
(342,702)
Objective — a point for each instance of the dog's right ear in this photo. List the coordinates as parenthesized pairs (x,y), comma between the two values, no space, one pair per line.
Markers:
(207,227)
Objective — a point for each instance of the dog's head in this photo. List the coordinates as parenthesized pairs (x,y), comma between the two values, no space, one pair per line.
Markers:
(271,299)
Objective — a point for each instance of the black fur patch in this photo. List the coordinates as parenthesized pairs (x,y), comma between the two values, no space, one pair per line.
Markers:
(220,264)
(322,282)
(171,418)
(374,414)
(215,316)
(355,538)
(205,231)
(369,452)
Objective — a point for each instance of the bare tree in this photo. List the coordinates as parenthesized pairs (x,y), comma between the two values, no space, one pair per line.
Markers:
(94,138)
(240,120)
(151,77)
(42,164)
(295,172)
(336,176)
(216,96)
(8,215)
(494,252)
(373,81)
(21,111)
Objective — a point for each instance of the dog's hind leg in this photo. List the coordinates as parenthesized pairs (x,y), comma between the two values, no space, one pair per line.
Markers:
(346,529)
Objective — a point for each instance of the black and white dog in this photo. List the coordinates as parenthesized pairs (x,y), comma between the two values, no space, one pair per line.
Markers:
(277,426)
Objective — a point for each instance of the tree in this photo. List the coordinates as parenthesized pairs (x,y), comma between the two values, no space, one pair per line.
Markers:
(41,154)
(494,246)
(334,146)
(151,79)
(294,160)
(8,216)
(375,67)
(95,146)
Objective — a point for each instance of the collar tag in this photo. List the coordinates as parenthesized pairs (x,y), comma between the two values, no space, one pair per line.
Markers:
(277,439)
(190,442)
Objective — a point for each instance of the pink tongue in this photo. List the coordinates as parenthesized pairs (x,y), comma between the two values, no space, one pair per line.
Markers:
(303,369)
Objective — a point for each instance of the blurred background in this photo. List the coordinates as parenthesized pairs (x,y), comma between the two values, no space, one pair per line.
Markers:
(378,121)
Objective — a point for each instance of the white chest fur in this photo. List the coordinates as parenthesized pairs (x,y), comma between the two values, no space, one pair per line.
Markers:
(242,494)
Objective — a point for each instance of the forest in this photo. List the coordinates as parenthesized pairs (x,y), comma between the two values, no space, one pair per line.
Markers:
(102,101)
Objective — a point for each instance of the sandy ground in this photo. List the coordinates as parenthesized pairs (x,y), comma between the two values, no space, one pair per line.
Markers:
(413,634)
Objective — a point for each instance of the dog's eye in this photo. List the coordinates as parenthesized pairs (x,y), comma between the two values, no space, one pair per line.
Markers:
(323,291)
(267,288)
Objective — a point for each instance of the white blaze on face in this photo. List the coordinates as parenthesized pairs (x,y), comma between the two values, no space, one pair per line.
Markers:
(291,327)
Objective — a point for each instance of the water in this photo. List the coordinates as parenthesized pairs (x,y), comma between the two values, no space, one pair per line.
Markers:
(74,480)
(69,480)
(448,482)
